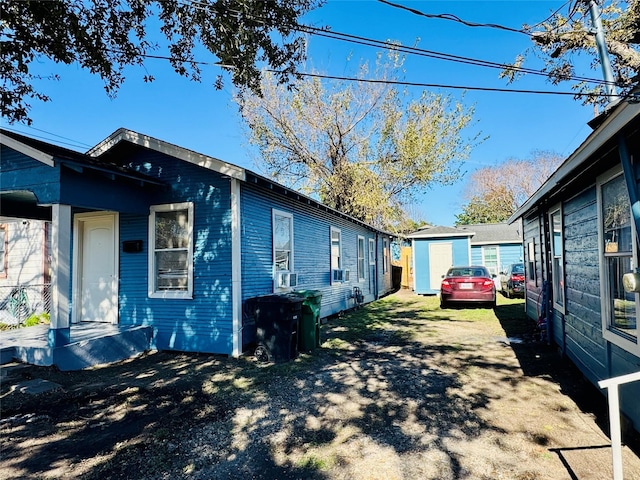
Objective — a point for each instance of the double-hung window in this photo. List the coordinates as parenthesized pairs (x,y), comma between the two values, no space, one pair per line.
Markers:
(618,256)
(282,224)
(372,251)
(490,258)
(557,257)
(171,250)
(361,258)
(336,255)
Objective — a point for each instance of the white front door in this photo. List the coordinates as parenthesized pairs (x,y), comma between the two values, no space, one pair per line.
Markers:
(96,273)
(440,259)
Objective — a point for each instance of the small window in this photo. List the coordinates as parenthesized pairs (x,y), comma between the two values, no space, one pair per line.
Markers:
(171,251)
(336,255)
(557,265)
(619,256)
(531,261)
(361,258)
(372,251)
(282,247)
(385,255)
(4,240)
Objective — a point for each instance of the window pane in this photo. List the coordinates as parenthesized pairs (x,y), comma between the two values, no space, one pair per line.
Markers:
(172,271)
(558,283)
(623,304)
(557,234)
(282,259)
(335,250)
(282,233)
(172,229)
(616,213)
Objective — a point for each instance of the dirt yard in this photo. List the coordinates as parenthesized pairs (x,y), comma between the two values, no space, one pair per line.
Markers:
(399,390)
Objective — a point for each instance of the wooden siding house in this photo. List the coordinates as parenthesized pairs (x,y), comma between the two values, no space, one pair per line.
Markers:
(580,237)
(436,248)
(149,235)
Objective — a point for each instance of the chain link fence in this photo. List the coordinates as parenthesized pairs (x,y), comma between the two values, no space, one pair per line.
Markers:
(20,303)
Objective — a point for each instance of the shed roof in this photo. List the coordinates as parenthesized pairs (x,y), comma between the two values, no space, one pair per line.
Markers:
(435,231)
(495,233)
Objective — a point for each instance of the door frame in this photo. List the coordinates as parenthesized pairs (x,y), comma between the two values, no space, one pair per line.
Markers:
(79,220)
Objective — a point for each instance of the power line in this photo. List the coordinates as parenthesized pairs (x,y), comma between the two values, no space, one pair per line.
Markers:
(75,143)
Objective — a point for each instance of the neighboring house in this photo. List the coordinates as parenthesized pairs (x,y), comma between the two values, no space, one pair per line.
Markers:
(24,269)
(146,233)
(436,248)
(580,238)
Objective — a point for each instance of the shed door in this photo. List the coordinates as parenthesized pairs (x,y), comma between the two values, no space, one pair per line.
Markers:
(440,259)
(97,283)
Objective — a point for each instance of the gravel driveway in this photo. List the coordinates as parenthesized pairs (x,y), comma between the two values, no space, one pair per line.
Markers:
(399,390)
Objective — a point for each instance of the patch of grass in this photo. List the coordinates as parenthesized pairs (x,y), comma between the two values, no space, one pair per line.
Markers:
(313,462)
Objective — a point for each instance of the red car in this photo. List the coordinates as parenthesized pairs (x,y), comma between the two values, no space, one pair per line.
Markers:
(468,284)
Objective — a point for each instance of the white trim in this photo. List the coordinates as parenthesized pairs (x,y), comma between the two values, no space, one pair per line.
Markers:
(236,268)
(170,294)
(607,333)
(361,274)
(560,307)
(76,282)
(60,265)
(291,269)
(190,156)
(28,151)
(340,259)
(372,251)
(386,255)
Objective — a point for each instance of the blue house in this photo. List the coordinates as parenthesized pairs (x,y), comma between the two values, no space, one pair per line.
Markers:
(436,248)
(164,242)
(581,243)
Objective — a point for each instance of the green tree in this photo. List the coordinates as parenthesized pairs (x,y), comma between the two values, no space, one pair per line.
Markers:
(362,148)
(104,36)
(494,193)
(568,34)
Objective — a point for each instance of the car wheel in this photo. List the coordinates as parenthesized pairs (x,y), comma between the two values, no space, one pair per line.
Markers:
(443,304)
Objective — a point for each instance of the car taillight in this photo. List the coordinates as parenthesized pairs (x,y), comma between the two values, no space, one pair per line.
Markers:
(487,283)
(446,284)
(517,278)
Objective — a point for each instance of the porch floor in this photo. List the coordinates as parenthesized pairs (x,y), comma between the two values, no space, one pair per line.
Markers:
(90,344)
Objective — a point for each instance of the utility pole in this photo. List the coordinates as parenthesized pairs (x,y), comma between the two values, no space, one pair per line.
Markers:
(601,44)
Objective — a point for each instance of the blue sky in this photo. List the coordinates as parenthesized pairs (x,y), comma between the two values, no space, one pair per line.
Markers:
(198,117)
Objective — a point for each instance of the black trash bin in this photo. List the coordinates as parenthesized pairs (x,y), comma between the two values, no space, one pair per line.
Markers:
(277,322)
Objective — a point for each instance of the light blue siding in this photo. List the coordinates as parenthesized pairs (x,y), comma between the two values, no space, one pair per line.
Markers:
(204,323)
(422,271)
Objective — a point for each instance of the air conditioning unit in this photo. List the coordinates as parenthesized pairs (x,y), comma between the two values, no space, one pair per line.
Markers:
(286,279)
(338,275)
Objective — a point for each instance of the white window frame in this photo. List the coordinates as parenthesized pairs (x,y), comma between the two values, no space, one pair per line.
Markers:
(372,251)
(4,249)
(361,257)
(274,214)
(531,261)
(333,267)
(385,255)
(557,278)
(497,266)
(610,334)
(172,294)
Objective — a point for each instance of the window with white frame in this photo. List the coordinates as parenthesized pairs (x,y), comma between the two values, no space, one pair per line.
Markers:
(557,257)
(490,258)
(531,261)
(282,223)
(4,240)
(336,254)
(171,250)
(385,255)
(361,258)
(372,251)
(619,256)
